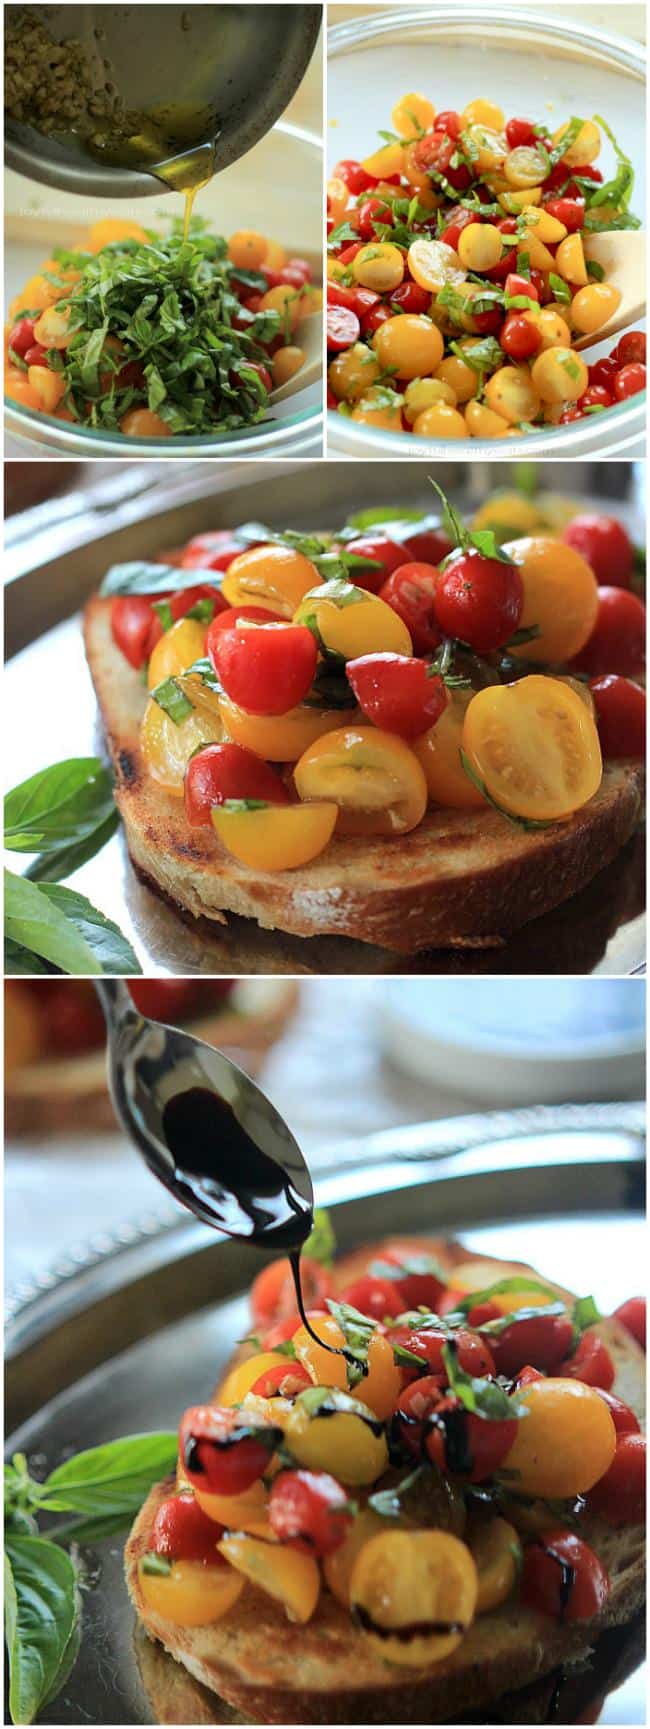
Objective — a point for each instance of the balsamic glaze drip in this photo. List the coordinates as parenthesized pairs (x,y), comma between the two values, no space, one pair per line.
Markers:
(231,1183)
(410,1629)
(567,1577)
(455,1429)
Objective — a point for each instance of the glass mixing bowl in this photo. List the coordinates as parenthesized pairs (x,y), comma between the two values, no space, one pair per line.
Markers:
(529,64)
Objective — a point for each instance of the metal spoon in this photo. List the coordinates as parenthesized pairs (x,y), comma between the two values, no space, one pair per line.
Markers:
(204,1128)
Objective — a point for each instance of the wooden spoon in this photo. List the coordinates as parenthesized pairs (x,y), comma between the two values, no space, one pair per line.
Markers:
(621,254)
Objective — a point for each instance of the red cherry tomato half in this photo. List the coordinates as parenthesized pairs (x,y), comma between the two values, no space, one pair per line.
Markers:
(519,338)
(474,1355)
(348,253)
(590,1363)
(436,149)
(570,211)
(605,544)
(371,320)
(273,1295)
(621,716)
(221,771)
(420,1285)
(596,396)
(21,336)
(449,121)
(354,176)
(181,1531)
(135,627)
(631,349)
(527,1375)
(619,1496)
(625,1421)
(310,1511)
(343,328)
(563,1577)
(410,590)
(516,285)
(225,1449)
(415,1405)
(397,693)
(427,545)
(375,1297)
(617,642)
(631,1314)
(211,551)
(285,1381)
(544,1341)
(230,616)
(604,372)
(266,668)
(373,210)
(465,1445)
(36,355)
(629,381)
(479,600)
(520,132)
(379,550)
(409,297)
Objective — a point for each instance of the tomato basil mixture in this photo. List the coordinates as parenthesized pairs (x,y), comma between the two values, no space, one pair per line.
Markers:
(461,274)
(154,337)
(300,687)
(449,1442)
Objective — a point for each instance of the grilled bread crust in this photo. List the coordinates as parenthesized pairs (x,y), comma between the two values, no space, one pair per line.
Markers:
(460,878)
(325,1672)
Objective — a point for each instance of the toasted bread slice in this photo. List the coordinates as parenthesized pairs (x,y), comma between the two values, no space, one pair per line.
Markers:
(461,877)
(325,1672)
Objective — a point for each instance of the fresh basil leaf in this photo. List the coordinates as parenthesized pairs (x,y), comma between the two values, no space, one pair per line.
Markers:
(139,577)
(595,270)
(501,1323)
(485,542)
(58,805)
(585,1313)
(41,1619)
(384,516)
(64,928)
(50,867)
(110,1479)
(321,1242)
(20,961)
(172,700)
(357,1331)
(619,190)
(389,1503)
(156,1565)
(240,804)
(504,1288)
(485,1398)
(561,290)
(564,143)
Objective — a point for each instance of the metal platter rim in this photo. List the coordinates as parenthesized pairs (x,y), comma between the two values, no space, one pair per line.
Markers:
(454,1146)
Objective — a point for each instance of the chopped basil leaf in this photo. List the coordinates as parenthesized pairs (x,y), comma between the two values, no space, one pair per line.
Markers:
(156,1565)
(479,1395)
(172,700)
(561,289)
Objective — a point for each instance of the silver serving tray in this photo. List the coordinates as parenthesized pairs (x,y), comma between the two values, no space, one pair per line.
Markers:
(127,1340)
(57,555)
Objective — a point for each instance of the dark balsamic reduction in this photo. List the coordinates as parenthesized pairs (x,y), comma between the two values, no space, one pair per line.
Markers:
(232,1183)
(410,1629)
(567,1577)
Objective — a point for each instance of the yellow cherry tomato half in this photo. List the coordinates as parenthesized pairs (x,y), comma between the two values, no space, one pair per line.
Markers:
(247,1512)
(339,1566)
(380,1387)
(433,265)
(286,1574)
(274,837)
(440,421)
(277,737)
(535,748)
(497,1553)
(560,598)
(191,1594)
(50,387)
(584,149)
(351,621)
(512,393)
(565,1443)
(376,781)
(412,115)
(388,160)
(373,410)
(143,423)
(240,1379)
(52,329)
(167,747)
(328,1430)
(438,752)
(325,1367)
(593,306)
(176,651)
(405,1581)
(274,577)
(559,375)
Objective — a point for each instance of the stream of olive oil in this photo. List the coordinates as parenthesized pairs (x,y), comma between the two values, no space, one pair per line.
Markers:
(177,142)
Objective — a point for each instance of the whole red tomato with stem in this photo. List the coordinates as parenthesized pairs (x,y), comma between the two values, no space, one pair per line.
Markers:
(563,1577)
(410,590)
(266,668)
(620,716)
(603,541)
(617,642)
(479,600)
(397,693)
(221,771)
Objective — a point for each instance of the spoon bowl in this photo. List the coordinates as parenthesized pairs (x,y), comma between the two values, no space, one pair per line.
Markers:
(204,1128)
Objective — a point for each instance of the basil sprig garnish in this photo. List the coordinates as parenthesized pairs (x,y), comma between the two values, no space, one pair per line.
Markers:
(102,1489)
(64,815)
